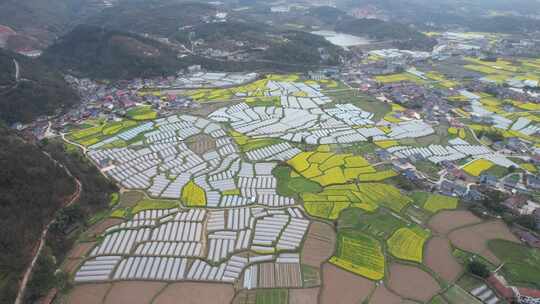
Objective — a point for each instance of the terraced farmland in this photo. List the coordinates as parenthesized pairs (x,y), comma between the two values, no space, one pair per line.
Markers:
(250,195)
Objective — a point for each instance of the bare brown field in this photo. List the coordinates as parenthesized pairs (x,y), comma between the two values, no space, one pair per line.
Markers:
(303,296)
(80,250)
(319,245)
(266,275)
(411,282)
(201,143)
(196,293)
(475,238)
(279,275)
(209,107)
(342,287)
(70,265)
(440,259)
(88,294)
(130,198)
(133,292)
(446,221)
(384,296)
(288,275)
(245,297)
(100,227)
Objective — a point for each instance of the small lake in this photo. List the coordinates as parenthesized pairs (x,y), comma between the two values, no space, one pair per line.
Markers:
(342,39)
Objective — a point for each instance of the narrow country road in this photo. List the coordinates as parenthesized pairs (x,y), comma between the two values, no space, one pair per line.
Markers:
(83,148)
(17,71)
(27,274)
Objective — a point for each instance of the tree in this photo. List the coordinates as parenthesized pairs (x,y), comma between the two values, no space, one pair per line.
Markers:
(479,269)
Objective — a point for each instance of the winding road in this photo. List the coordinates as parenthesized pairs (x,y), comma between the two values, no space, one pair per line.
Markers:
(72,199)
(17,71)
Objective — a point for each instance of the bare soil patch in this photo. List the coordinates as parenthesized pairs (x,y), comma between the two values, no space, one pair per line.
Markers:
(411,282)
(319,245)
(439,258)
(384,296)
(342,287)
(80,250)
(446,221)
(196,293)
(70,265)
(88,294)
(100,227)
(475,238)
(201,143)
(133,292)
(303,296)
(130,198)
(245,297)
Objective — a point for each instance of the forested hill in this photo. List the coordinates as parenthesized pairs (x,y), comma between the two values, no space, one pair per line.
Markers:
(32,189)
(39,89)
(161,18)
(101,53)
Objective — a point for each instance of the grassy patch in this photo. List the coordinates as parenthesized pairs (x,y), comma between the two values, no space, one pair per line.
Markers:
(438,300)
(272,296)
(380,224)
(464,257)
(142,113)
(310,276)
(468,282)
(456,295)
(150,204)
(417,214)
(399,78)
(142,205)
(114,199)
(521,263)
(247,144)
(437,202)
(365,102)
(292,186)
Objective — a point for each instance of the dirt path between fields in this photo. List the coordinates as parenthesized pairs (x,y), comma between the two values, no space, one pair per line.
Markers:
(28,273)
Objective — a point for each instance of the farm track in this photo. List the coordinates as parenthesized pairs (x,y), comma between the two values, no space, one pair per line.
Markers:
(72,199)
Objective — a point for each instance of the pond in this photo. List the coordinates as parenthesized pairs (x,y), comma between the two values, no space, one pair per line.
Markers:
(342,39)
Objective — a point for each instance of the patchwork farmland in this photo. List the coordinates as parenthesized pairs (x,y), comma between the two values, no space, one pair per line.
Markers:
(266,199)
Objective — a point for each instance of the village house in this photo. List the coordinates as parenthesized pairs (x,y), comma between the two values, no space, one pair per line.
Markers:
(452,188)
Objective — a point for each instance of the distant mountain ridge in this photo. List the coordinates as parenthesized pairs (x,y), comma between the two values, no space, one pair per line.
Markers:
(102,53)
